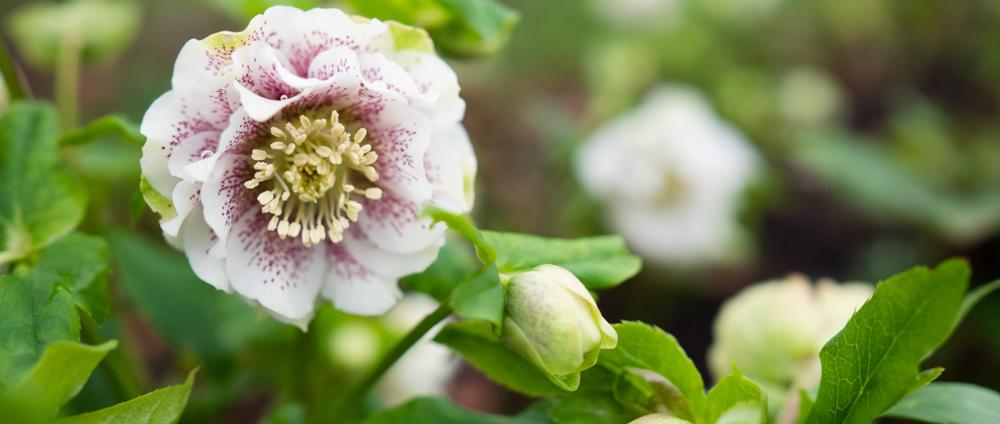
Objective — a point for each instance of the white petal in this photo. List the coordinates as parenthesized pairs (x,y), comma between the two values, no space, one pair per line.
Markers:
(303,35)
(396,225)
(282,275)
(338,60)
(184,198)
(383,74)
(224,196)
(400,135)
(356,289)
(437,84)
(198,238)
(390,264)
(193,149)
(451,168)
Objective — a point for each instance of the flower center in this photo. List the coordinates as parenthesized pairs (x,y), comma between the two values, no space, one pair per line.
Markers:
(317,171)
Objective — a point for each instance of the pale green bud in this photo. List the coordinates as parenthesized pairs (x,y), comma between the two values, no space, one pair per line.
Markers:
(552,321)
(658,419)
(774,331)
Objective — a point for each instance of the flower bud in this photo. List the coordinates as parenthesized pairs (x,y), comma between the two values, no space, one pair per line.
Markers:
(552,321)
(774,331)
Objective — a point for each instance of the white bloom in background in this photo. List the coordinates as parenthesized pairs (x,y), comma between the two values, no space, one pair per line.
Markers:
(642,13)
(671,175)
(298,154)
(427,367)
(774,331)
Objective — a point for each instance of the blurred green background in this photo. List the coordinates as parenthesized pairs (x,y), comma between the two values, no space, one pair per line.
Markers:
(879,121)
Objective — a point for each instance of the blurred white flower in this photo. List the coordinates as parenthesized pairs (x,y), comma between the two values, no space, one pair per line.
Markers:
(427,367)
(641,13)
(298,154)
(774,331)
(671,175)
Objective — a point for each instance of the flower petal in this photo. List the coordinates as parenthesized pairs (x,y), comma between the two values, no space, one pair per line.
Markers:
(282,275)
(400,135)
(170,121)
(395,224)
(184,198)
(194,149)
(451,169)
(436,83)
(390,264)
(197,239)
(357,289)
(224,196)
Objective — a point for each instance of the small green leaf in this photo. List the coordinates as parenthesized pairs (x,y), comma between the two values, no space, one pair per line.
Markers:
(101,28)
(156,201)
(462,28)
(480,347)
(805,405)
(644,347)
(594,401)
(735,391)
(454,264)
(873,362)
(953,403)
(79,263)
(105,126)
(482,297)
(58,376)
(925,377)
(599,262)
(39,200)
(405,37)
(436,410)
(36,313)
(974,296)
(462,225)
(163,406)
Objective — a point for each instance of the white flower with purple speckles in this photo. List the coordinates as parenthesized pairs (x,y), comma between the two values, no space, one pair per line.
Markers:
(291,160)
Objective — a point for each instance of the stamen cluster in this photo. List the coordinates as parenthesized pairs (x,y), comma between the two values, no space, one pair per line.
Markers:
(313,170)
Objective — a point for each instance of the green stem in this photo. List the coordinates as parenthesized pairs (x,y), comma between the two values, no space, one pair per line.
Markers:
(341,408)
(116,366)
(17,88)
(67,81)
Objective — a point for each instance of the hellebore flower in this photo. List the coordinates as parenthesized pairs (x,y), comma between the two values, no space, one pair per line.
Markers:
(671,175)
(552,321)
(291,160)
(774,331)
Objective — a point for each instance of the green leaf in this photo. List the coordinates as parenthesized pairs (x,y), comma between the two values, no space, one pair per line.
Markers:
(594,401)
(36,313)
(925,377)
(214,324)
(58,376)
(889,191)
(974,297)
(482,297)
(436,410)
(953,403)
(454,264)
(462,28)
(599,262)
(405,37)
(644,347)
(101,28)
(806,403)
(873,362)
(109,125)
(481,348)
(735,391)
(156,201)
(160,406)
(79,263)
(39,201)
(462,225)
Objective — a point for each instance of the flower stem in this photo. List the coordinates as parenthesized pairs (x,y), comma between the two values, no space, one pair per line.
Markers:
(341,408)
(67,80)
(116,366)
(17,88)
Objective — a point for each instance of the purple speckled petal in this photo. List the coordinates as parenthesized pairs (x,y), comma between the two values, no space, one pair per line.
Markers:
(198,239)
(395,224)
(355,288)
(224,196)
(283,275)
